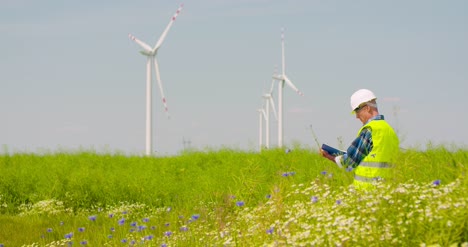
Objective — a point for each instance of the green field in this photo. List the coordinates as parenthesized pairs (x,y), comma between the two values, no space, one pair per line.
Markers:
(230,198)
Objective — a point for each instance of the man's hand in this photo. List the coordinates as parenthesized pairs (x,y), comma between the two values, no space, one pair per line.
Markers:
(327,155)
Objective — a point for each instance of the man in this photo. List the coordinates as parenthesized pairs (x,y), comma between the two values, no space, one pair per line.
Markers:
(371,154)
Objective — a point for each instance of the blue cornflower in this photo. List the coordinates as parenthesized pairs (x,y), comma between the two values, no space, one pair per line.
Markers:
(285,174)
(153,227)
(240,203)
(133,224)
(133,242)
(268,196)
(81,229)
(92,217)
(109,236)
(121,221)
(111,215)
(149,237)
(49,230)
(349,169)
(314,199)
(338,202)
(145,220)
(195,216)
(168,233)
(163,245)
(141,228)
(184,229)
(167,224)
(324,173)
(112,229)
(436,182)
(84,242)
(123,240)
(124,212)
(270,230)
(287,150)
(292,173)
(69,235)
(1,245)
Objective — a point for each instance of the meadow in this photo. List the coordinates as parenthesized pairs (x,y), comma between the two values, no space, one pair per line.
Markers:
(230,198)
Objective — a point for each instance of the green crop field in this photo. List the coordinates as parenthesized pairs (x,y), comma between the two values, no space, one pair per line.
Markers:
(230,198)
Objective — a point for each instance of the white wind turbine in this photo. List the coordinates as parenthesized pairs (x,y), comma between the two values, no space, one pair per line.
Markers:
(268,97)
(282,80)
(261,116)
(150,53)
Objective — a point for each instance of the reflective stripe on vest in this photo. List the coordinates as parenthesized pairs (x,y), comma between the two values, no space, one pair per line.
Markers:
(376,164)
(364,179)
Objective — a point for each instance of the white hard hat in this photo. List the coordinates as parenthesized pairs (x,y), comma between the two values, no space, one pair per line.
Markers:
(361,96)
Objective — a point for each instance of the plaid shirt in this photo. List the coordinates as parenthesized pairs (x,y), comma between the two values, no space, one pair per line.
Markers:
(360,147)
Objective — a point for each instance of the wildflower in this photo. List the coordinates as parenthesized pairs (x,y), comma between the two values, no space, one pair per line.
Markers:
(168,209)
(124,212)
(149,237)
(49,229)
(167,225)
(133,224)
(109,236)
(1,245)
(184,229)
(268,196)
(81,229)
(145,220)
(436,183)
(168,233)
(69,235)
(163,245)
(84,242)
(111,215)
(324,173)
(285,174)
(314,199)
(287,150)
(270,230)
(121,221)
(349,169)
(133,242)
(123,240)
(338,202)
(141,228)
(92,217)
(153,228)
(240,203)
(112,229)
(195,216)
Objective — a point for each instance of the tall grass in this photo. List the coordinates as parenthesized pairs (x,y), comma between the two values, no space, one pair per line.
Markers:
(229,197)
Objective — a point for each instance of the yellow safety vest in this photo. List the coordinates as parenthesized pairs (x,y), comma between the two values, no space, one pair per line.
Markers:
(378,162)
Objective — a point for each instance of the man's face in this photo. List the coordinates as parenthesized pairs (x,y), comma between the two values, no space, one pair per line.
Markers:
(363,113)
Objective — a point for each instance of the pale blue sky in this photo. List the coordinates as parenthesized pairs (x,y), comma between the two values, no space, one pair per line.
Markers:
(70,76)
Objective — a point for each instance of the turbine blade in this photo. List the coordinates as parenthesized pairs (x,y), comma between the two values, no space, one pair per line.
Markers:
(163,36)
(272,104)
(158,79)
(143,45)
(273,80)
(291,85)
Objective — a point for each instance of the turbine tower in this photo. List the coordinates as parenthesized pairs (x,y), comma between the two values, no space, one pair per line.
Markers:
(151,62)
(268,97)
(261,116)
(283,79)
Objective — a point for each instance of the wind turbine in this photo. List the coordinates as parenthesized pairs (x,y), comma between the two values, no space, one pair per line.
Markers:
(261,116)
(150,53)
(283,79)
(268,97)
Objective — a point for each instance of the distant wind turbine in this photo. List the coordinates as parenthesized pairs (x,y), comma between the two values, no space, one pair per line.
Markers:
(282,80)
(150,53)
(268,97)
(261,117)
